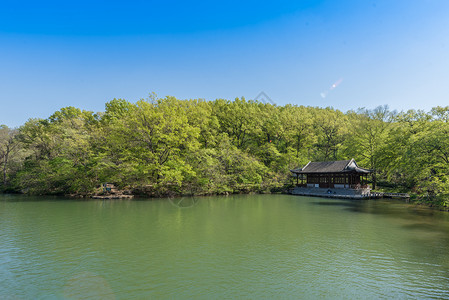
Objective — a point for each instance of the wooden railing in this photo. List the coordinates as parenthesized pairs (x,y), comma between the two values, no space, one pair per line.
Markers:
(396,195)
(332,185)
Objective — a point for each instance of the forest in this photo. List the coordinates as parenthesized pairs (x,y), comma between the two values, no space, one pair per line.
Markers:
(168,147)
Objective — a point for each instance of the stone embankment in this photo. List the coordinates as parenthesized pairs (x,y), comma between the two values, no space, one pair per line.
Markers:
(110,191)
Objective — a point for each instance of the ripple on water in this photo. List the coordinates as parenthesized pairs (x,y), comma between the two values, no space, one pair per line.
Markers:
(260,246)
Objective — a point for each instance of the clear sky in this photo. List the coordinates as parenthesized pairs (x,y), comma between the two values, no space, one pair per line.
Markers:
(344,54)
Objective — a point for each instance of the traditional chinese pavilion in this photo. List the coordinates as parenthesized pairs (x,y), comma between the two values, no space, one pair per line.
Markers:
(342,177)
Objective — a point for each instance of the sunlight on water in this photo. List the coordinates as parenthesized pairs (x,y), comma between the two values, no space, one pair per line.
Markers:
(257,246)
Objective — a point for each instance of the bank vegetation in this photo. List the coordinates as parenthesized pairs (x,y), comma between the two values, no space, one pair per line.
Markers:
(159,147)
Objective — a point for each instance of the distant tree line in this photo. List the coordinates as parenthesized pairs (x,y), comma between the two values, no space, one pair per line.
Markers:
(172,147)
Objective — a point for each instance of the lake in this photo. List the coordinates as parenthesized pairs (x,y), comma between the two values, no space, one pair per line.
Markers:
(244,246)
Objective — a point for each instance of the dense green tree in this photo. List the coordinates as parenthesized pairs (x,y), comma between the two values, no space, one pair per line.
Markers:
(60,153)
(239,119)
(297,134)
(331,127)
(366,137)
(166,146)
(150,144)
(429,153)
(9,147)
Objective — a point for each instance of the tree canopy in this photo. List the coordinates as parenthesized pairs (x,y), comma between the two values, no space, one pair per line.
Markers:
(160,146)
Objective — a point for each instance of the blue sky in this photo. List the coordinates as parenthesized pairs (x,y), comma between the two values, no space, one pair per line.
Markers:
(84,53)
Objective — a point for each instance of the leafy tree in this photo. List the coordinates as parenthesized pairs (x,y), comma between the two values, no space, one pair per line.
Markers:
(239,120)
(366,138)
(9,148)
(331,127)
(149,144)
(164,146)
(297,134)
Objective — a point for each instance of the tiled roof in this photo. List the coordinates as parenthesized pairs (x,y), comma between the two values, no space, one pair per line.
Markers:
(338,166)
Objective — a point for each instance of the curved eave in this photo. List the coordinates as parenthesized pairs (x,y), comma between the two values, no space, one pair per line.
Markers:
(357,170)
(362,170)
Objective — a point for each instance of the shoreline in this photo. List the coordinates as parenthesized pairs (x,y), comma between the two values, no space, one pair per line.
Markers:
(413,200)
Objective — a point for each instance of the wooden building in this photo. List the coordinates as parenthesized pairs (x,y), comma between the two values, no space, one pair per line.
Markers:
(341,174)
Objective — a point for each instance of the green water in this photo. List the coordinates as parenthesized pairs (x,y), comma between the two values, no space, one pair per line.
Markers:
(257,246)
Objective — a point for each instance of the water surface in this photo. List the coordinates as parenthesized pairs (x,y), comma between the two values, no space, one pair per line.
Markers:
(256,246)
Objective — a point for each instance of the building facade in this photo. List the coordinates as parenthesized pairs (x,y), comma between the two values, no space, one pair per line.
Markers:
(341,174)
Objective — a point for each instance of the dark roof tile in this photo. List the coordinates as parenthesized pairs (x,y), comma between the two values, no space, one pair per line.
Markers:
(339,166)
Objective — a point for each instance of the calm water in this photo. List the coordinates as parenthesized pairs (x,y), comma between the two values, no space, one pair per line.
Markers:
(258,246)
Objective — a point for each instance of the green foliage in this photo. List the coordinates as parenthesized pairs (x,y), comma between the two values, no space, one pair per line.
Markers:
(166,146)
(11,154)
(331,127)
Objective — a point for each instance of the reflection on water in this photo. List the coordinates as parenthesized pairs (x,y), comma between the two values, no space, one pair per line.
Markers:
(184,202)
(87,285)
(257,246)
